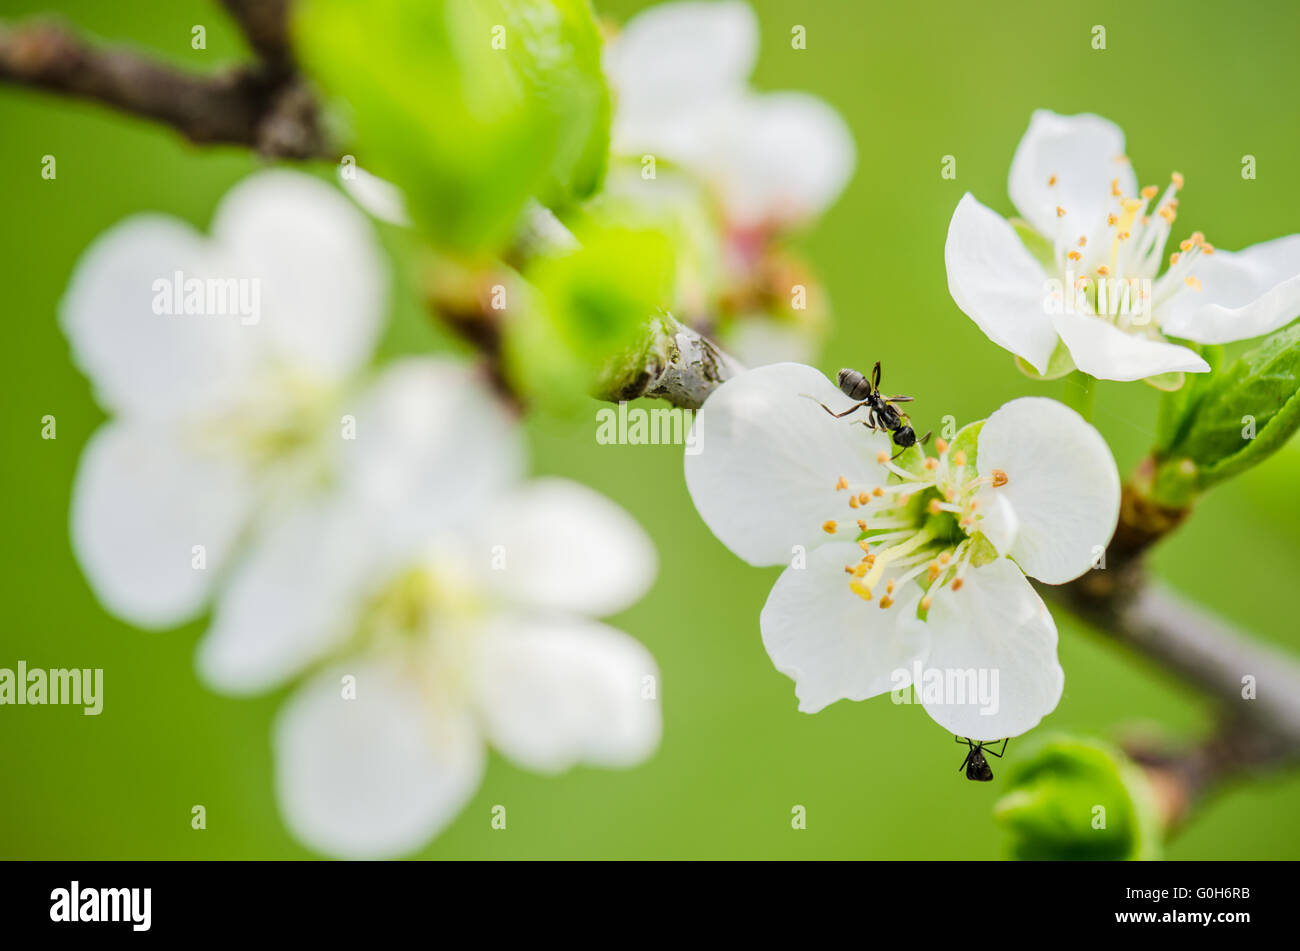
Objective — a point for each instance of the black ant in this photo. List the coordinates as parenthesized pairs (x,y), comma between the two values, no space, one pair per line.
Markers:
(976,766)
(881,412)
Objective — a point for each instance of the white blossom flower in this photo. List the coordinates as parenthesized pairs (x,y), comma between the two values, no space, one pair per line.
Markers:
(892,566)
(221,361)
(1071,181)
(680,76)
(439,605)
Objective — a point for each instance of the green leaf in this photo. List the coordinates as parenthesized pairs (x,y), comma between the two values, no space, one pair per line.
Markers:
(1079,798)
(589,306)
(1243,414)
(1176,405)
(470,106)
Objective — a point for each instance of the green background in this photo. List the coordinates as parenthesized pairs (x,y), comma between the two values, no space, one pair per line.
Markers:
(1195,85)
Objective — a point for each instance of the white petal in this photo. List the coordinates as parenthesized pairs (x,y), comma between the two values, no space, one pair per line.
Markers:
(1243,294)
(433,445)
(1101,349)
(321,272)
(769,458)
(378,196)
(375,776)
(997,283)
(156,365)
(679,53)
(558,545)
(997,519)
(783,158)
(996,626)
(294,597)
(555,693)
(141,502)
(1083,153)
(830,642)
(1061,483)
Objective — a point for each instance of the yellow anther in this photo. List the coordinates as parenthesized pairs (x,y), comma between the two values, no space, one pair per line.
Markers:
(883,456)
(1177,179)
(828,526)
(926,602)
(1150,192)
(999,478)
(860,569)
(1060,212)
(935,506)
(1051,181)
(1207,248)
(1074,256)
(1193,282)
(934,569)
(1198,238)
(931,464)
(842,483)
(1083,240)
(853,501)
(1103,270)
(877,491)
(863,498)
(862,526)
(863,545)
(959,457)
(956,584)
(1114,187)
(1111,219)
(889,586)
(945,557)
(886,601)
(941,445)
(861,590)
(1173,259)
(1185,245)
(1123,236)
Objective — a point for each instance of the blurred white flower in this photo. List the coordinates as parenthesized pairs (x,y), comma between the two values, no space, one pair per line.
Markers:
(378,196)
(943,546)
(680,76)
(1072,182)
(216,415)
(442,605)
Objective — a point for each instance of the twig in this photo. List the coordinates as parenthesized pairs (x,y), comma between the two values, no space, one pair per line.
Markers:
(265,24)
(263,107)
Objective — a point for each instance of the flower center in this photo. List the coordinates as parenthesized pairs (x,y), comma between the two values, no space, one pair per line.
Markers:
(429,615)
(284,424)
(920,522)
(1112,270)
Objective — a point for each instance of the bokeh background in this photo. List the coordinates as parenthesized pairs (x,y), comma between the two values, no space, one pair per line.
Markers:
(1195,86)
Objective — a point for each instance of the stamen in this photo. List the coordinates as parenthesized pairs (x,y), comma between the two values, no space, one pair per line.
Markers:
(829,526)
(842,483)
(999,478)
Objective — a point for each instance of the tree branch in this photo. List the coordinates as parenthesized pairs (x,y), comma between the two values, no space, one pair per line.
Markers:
(262,107)
(1259,718)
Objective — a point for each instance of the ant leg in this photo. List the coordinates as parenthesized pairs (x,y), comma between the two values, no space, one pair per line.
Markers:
(962,739)
(989,749)
(926,438)
(901,399)
(875,377)
(847,412)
